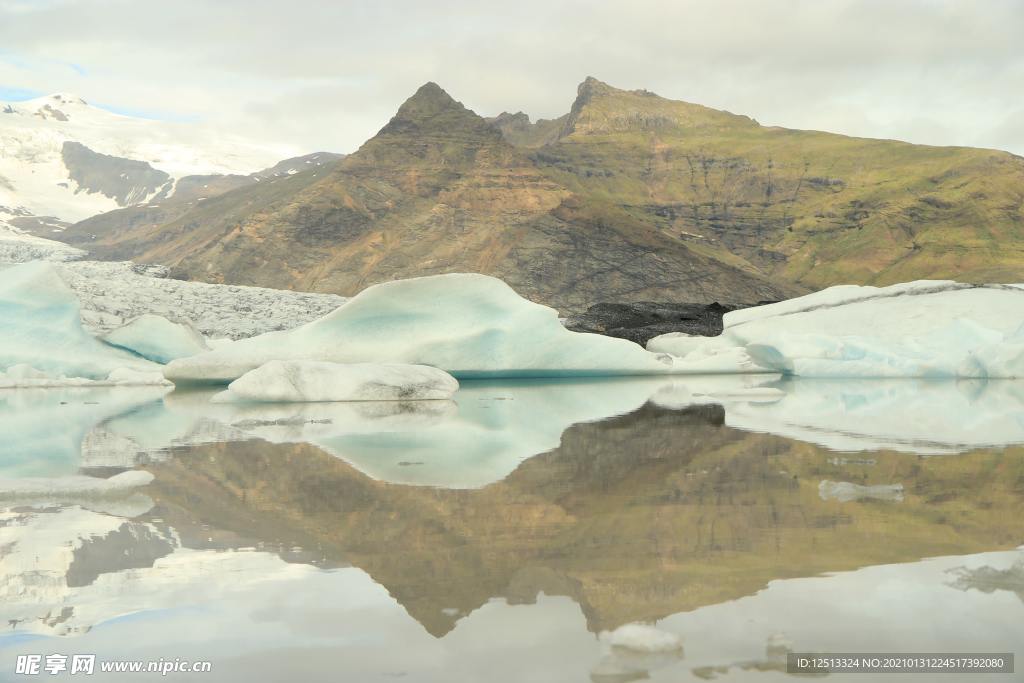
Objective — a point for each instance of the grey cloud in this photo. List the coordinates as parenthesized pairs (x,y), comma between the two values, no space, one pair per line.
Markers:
(329,74)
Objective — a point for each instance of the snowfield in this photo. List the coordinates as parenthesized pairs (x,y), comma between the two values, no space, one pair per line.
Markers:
(35,180)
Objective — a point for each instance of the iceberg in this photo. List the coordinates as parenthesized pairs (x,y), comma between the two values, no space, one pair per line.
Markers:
(319,381)
(469,325)
(635,650)
(43,343)
(642,638)
(923,329)
(158,339)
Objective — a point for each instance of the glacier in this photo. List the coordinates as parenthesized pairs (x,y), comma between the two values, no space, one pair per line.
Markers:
(158,339)
(112,293)
(469,325)
(43,341)
(314,381)
(922,329)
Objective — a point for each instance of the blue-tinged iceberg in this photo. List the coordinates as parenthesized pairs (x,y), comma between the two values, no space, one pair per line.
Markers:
(158,339)
(925,329)
(466,324)
(43,343)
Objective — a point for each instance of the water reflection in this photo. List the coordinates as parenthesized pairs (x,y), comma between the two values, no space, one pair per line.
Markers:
(512,534)
(491,428)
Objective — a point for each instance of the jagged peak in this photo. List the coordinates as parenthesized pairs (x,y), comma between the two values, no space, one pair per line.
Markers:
(430,99)
(430,114)
(509,117)
(591,87)
(601,107)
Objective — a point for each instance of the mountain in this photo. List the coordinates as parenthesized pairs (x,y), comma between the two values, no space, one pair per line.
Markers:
(111,227)
(437,190)
(63,160)
(809,208)
(628,197)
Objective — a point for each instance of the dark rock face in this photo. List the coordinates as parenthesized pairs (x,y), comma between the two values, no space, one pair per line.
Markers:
(643,321)
(126,181)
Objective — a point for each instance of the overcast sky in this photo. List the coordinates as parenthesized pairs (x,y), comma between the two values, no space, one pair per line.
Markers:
(328,74)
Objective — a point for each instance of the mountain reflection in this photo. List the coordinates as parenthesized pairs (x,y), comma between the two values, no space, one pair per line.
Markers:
(635,499)
(634,518)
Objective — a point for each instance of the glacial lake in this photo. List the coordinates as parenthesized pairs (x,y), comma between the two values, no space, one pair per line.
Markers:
(505,536)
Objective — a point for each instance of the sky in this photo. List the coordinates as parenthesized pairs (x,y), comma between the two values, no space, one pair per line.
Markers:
(328,74)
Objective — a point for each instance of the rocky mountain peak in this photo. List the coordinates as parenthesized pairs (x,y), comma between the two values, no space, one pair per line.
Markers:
(428,101)
(432,117)
(591,87)
(509,119)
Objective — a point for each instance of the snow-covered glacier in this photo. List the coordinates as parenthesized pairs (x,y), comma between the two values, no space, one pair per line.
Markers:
(43,342)
(924,329)
(114,293)
(469,325)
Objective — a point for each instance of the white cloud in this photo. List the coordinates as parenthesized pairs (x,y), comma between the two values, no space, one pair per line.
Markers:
(329,74)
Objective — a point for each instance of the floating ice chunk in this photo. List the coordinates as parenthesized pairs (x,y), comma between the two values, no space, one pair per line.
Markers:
(466,324)
(845,492)
(916,329)
(319,381)
(642,638)
(158,339)
(42,330)
(711,355)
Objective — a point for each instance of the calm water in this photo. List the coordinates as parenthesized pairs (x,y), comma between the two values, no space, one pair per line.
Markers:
(505,535)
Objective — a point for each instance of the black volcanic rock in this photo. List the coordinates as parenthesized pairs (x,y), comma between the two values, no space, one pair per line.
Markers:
(641,322)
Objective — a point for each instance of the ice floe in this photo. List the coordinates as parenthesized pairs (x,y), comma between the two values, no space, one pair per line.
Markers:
(642,638)
(319,381)
(916,329)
